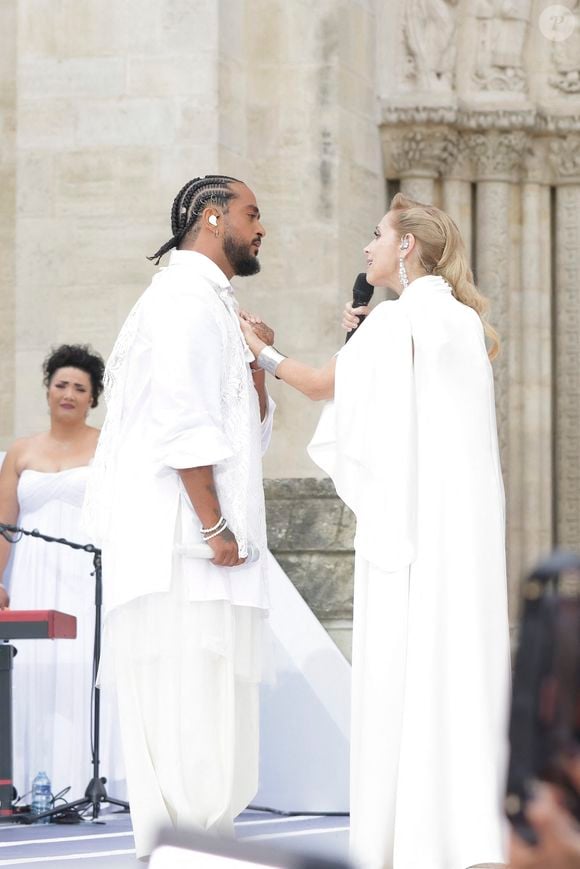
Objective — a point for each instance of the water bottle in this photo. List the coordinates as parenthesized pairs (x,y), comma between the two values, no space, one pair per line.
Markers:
(41,796)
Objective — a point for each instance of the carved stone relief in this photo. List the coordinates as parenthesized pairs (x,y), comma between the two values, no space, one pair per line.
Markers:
(422,151)
(496,155)
(502,27)
(566,59)
(564,157)
(429,30)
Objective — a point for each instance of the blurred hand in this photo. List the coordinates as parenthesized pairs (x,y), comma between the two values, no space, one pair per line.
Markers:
(557,831)
(261,329)
(225,548)
(4,598)
(255,343)
(350,316)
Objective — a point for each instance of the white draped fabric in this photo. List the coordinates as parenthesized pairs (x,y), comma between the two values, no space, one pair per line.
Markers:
(189,709)
(411,443)
(182,637)
(52,679)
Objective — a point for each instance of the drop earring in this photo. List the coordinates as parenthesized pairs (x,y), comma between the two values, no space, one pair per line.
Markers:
(403,276)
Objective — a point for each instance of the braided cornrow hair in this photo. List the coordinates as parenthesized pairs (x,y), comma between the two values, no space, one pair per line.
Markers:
(189,204)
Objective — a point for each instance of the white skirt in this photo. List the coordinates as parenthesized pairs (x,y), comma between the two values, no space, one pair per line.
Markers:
(427,740)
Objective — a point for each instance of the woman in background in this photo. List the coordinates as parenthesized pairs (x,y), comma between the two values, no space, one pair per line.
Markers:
(42,486)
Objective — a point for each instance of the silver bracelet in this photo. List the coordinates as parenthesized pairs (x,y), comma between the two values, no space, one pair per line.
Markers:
(223,527)
(213,528)
(269,359)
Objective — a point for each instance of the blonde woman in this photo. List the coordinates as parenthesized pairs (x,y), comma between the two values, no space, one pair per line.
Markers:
(409,438)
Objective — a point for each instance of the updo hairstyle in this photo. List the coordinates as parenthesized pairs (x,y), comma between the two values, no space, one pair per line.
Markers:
(79,356)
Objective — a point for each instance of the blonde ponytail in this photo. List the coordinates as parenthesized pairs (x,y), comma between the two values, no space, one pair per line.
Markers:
(441,251)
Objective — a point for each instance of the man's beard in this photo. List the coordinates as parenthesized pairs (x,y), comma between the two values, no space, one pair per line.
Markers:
(241,259)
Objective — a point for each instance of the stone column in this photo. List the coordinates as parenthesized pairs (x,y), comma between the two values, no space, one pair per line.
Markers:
(417,155)
(497,160)
(565,155)
(532,529)
(456,201)
(421,188)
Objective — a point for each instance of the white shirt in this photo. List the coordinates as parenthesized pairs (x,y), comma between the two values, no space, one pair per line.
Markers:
(179,395)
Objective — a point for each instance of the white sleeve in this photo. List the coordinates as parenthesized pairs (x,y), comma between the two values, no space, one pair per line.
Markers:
(267,424)
(187,359)
(366,437)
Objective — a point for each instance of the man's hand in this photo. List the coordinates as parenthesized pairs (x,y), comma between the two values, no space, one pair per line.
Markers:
(4,598)
(260,329)
(558,836)
(255,343)
(350,316)
(225,547)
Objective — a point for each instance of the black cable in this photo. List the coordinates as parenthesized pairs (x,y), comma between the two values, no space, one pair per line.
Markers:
(294,814)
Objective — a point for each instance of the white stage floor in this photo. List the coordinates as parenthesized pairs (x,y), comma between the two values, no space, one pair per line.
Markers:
(110,844)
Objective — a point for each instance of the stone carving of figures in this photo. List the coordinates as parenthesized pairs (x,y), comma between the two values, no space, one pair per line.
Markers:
(429,28)
(566,59)
(502,31)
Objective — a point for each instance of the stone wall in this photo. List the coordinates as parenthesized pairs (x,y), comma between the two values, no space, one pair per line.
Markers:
(310,532)
(108,106)
(8,26)
(480,113)
(115,105)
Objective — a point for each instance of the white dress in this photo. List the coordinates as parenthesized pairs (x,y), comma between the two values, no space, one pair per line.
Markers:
(52,678)
(411,444)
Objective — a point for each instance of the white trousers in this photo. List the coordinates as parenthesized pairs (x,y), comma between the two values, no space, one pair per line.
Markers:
(189,714)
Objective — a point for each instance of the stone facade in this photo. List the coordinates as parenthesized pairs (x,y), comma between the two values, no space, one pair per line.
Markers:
(480,113)
(310,531)
(108,107)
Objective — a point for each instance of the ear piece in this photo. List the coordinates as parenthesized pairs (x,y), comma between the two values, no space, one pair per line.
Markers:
(405,243)
(212,219)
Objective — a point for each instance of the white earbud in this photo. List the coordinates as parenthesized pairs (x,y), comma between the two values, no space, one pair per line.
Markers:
(212,219)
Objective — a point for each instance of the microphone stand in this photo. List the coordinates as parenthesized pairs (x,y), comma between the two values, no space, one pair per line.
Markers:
(95,793)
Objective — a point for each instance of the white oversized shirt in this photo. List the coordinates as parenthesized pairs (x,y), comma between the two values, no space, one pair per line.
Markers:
(179,395)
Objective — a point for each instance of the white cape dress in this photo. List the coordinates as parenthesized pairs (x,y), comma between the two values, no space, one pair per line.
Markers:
(410,441)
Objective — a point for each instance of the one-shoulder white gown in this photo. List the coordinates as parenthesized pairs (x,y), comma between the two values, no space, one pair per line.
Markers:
(52,678)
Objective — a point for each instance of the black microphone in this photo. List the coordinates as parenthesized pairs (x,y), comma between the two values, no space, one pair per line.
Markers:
(362,293)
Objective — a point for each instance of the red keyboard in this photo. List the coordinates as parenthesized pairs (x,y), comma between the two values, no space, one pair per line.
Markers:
(37,625)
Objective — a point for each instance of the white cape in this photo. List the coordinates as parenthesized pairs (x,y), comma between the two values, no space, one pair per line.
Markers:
(411,444)
(366,437)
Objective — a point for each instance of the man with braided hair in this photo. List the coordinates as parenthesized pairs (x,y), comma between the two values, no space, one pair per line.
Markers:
(179,466)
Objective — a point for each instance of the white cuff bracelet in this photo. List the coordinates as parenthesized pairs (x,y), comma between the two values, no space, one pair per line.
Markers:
(269,359)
